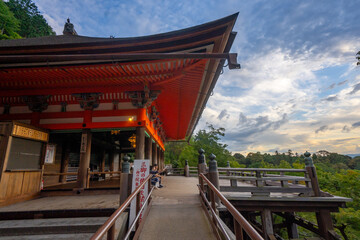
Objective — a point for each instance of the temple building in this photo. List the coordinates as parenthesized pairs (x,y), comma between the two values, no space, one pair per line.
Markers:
(71,106)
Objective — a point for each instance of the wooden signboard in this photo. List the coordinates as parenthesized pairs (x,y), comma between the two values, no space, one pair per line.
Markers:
(20,130)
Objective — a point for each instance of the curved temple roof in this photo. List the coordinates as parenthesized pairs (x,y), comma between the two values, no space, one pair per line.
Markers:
(68,64)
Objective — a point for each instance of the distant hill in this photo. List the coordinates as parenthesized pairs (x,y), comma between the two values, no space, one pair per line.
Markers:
(353,155)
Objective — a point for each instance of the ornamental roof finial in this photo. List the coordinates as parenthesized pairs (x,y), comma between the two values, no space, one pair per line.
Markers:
(69,28)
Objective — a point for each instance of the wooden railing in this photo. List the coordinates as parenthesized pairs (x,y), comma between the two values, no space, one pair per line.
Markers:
(187,171)
(177,171)
(109,226)
(265,182)
(240,223)
(89,173)
(193,170)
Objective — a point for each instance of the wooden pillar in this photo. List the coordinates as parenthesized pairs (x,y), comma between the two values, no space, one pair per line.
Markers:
(5,144)
(157,155)
(325,223)
(85,152)
(163,158)
(267,224)
(64,160)
(121,155)
(148,148)
(154,149)
(291,227)
(140,143)
(160,158)
(102,163)
(111,161)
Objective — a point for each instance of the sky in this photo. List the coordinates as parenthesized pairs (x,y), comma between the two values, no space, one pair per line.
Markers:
(299,86)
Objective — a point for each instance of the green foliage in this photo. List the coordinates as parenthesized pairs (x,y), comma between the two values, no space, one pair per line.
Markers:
(177,152)
(32,23)
(189,153)
(208,140)
(9,25)
(354,163)
(235,164)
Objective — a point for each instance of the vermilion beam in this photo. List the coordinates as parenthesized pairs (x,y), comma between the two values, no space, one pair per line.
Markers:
(7,60)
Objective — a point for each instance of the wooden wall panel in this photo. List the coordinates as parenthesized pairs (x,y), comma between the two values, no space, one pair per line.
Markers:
(3,186)
(14,185)
(31,183)
(17,186)
(51,168)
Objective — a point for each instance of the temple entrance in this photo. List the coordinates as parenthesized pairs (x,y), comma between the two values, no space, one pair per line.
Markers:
(103,165)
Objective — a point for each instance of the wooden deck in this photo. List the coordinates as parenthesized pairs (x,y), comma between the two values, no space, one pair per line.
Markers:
(65,202)
(176,212)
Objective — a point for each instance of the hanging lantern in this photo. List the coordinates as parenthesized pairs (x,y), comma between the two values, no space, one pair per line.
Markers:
(132,140)
(115,132)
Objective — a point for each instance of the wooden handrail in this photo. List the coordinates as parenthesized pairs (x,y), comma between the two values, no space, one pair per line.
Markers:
(93,173)
(75,173)
(244,224)
(60,174)
(112,219)
(207,203)
(263,169)
(138,215)
(289,178)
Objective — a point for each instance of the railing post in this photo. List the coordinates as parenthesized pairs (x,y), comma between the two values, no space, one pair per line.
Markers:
(260,183)
(311,171)
(124,179)
(186,169)
(323,216)
(284,183)
(214,174)
(201,162)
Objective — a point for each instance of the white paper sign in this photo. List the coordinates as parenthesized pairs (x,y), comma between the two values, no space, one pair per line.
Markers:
(50,153)
(140,173)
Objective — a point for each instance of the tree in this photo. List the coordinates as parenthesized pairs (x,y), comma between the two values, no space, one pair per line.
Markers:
(208,140)
(9,25)
(173,151)
(32,23)
(358,58)
(255,159)
(239,158)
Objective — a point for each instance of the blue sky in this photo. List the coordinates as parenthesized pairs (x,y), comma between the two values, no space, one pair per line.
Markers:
(299,86)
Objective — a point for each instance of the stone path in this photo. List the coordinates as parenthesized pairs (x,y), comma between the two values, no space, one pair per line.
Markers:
(176,212)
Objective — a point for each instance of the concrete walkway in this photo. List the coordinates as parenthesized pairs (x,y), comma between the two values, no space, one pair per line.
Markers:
(176,212)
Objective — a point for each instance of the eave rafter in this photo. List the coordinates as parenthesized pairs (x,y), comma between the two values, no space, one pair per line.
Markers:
(116,75)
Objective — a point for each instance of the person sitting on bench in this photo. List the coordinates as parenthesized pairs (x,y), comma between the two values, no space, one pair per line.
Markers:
(156,178)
